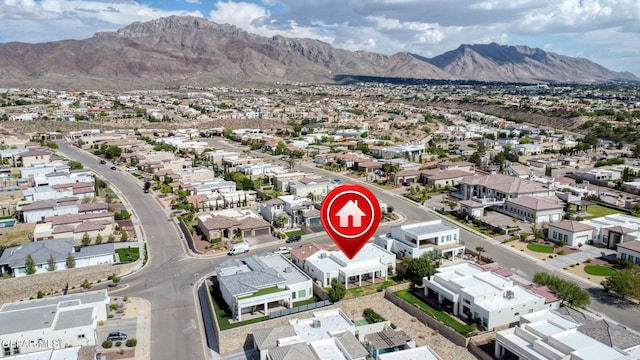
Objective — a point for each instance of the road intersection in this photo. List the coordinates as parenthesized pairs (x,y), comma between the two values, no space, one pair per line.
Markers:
(170,284)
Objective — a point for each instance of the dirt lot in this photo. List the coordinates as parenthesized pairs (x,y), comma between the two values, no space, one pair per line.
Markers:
(16,234)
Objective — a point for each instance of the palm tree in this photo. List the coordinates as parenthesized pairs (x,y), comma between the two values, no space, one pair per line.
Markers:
(479,250)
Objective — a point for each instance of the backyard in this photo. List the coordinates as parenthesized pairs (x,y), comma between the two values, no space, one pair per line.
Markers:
(596,211)
(127,255)
(447,319)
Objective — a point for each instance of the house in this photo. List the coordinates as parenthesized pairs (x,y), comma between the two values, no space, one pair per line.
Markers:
(302,211)
(371,264)
(38,210)
(254,283)
(415,240)
(573,233)
(328,334)
(443,178)
(422,353)
(229,224)
(317,186)
(612,230)
(629,252)
(535,209)
(473,292)
(32,156)
(13,260)
(52,323)
(387,341)
(566,334)
(499,187)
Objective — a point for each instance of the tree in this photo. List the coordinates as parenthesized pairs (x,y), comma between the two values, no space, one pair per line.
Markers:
(86,240)
(111,238)
(124,237)
(112,152)
(625,282)
(281,220)
(30,265)
(99,239)
(70,263)
(337,291)
(419,268)
(51,263)
(479,250)
(567,291)
(75,165)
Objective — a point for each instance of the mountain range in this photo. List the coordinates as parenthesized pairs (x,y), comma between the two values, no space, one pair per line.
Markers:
(194,51)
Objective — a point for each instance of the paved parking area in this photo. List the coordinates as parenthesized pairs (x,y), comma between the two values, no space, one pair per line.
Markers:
(586,252)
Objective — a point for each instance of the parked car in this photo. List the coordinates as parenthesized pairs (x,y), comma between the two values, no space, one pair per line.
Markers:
(117,336)
(132,168)
(284,250)
(406,183)
(103,161)
(114,168)
(294,238)
(239,248)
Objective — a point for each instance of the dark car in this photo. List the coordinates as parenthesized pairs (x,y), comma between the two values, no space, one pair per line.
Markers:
(117,336)
(114,168)
(103,161)
(294,238)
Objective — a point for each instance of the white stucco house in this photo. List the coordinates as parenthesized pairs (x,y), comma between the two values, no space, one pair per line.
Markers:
(254,283)
(372,263)
(566,334)
(629,251)
(473,292)
(573,233)
(55,322)
(415,240)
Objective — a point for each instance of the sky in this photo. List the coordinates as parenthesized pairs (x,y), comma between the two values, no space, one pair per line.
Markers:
(604,31)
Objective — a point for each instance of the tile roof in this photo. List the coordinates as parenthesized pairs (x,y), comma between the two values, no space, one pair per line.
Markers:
(89,226)
(544,291)
(620,229)
(267,338)
(92,206)
(435,174)
(505,183)
(630,245)
(251,222)
(220,222)
(39,205)
(306,250)
(298,351)
(537,202)
(571,225)
(40,251)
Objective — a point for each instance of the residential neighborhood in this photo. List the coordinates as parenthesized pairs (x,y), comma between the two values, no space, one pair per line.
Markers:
(495,233)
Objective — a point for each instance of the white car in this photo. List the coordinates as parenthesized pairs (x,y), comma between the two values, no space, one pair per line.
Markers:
(132,168)
(284,250)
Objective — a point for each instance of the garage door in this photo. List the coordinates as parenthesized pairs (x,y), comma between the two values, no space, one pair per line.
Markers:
(581,240)
(264,231)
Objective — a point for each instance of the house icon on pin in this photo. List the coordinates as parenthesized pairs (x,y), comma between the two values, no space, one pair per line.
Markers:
(350,209)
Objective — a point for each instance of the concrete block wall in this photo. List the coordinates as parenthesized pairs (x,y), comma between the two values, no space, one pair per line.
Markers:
(25,287)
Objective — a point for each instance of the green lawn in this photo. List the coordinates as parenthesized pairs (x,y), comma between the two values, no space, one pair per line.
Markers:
(110,193)
(463,329)
(596,211)
(128,254)
(137,175)
(540,248)
(314,299)
(223,317)
(263,291)
(599,270)
(294,232)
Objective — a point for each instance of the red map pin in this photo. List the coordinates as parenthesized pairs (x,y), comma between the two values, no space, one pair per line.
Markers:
(350,215)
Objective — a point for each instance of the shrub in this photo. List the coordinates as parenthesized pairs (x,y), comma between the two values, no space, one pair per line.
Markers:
(372,316)
(561,252)
(588,260)
(132,342)
(107,344)
(118,343)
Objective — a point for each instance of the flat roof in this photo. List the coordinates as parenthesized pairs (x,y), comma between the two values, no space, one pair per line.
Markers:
(328,322)
(419,353)
(70,319)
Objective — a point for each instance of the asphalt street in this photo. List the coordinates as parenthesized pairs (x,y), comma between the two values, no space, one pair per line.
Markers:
(167,281)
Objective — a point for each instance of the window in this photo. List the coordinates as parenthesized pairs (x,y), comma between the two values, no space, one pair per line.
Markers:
(623,256)
(466,301)
(516,314)
(555,235)
(566,237)
(6,350)
(302,293)
(293,295)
